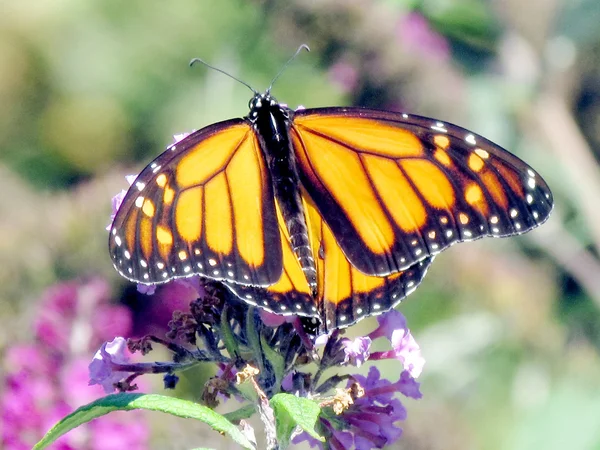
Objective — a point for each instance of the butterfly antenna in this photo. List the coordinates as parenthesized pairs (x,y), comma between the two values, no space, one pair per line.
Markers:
(302,47)
(198,60)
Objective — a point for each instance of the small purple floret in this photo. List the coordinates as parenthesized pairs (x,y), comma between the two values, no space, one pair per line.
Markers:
(103,368)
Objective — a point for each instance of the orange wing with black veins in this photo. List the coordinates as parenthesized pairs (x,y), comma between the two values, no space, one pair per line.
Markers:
(395,189)
(205,206)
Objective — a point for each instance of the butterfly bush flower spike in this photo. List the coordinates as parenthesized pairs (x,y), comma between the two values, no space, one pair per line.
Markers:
(371,420)
(370,413)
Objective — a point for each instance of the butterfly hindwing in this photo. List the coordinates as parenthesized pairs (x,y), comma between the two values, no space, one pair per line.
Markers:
(291,294)
(395,188)
(345,295)
(205,206)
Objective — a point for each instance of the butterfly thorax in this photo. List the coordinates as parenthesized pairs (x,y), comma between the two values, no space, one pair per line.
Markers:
(272,121)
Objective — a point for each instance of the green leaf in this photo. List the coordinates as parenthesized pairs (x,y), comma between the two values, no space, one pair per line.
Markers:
(151,402)
(276,359)
(292,411)
(253,337)
(469,21)
(242,413)
(227,335)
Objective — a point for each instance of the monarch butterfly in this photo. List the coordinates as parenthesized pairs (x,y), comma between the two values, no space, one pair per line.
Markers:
(333,213)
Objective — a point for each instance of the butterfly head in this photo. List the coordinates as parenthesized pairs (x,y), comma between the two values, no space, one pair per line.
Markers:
(260,103)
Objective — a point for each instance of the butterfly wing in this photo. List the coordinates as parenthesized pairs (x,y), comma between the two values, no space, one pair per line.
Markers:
(205,206)
(345,295)
(291,294)
(395,189)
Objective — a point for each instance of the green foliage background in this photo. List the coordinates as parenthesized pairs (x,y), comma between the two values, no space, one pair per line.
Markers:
(90,91)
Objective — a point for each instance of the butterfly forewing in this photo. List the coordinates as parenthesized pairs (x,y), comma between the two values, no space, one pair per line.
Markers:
(395,189)
(205,206)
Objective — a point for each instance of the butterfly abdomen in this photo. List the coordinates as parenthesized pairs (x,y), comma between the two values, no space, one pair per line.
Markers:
(271,121)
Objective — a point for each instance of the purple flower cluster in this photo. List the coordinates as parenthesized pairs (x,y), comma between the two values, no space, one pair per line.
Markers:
(364,415)
(47,379)
(371,419)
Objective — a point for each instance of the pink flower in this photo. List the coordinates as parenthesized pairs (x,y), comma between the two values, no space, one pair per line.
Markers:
(123,433)
(416,35)
(274,320)
(110,321)
(53,323)
(76,389)
(27,358)
(46,380)
(163,300)
(344,75)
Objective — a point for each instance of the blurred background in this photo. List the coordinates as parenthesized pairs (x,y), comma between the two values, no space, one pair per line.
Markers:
(92,91)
